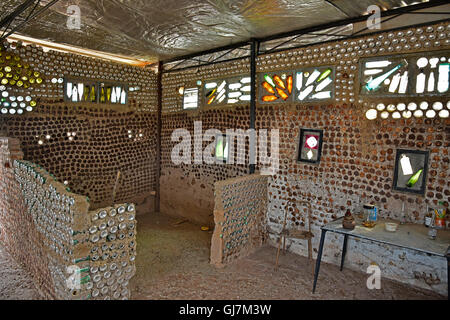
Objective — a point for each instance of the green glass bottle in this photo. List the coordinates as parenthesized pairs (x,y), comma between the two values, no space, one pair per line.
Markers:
(269,80)
(85,279)
(415,177)
(81,259)
(324,75)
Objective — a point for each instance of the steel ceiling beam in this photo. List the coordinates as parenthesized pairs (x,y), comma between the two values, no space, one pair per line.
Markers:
(357,35)
(387,13)
(30,16)
(17,12)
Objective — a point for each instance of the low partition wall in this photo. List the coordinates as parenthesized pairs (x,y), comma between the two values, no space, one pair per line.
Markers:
(240,218)
(18,234)
(70,252)
(89,254)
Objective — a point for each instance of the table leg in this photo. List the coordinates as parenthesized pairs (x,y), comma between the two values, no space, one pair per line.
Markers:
(448,273)
(278,252)
(319,258)
(344,251)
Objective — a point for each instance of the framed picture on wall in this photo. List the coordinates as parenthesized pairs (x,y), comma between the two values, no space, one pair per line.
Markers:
(310,145)
(411,167)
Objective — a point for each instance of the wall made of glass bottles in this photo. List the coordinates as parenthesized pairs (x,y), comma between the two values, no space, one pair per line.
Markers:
(31,76)
(336,71)
(17,80)
(83,142)
(208,79)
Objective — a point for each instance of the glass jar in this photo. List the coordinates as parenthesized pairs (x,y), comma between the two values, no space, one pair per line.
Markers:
(370,215)
(439,215)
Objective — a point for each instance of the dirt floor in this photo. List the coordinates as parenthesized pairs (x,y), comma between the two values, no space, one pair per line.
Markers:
(173,263)
(15,284)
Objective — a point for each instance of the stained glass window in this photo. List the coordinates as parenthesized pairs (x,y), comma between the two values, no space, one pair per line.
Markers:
(227,91)
(95,92)
(112,93)
(276,87)
(215,92)
(312,84)
(239,89)
(406,75)
(80,91)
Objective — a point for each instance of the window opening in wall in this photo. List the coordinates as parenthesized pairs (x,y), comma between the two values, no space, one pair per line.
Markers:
(406,75)
(239,90)
(115,94)
(215,92)
(190,98)
(410,171)
(221,148)
(95,92)
(227,91)
(276,86)
(79,91)
(314,84)
(390,78)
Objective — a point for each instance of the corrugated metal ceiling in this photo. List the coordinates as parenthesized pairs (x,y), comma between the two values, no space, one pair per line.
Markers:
(162,29)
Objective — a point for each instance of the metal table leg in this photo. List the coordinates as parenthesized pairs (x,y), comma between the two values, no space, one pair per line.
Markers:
(319,258)
(448,273)
(344,251)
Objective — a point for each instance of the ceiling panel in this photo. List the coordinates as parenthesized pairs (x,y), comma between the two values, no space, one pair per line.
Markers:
(162,29)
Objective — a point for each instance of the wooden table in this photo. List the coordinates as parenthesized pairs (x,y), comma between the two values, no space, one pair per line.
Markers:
(408,236)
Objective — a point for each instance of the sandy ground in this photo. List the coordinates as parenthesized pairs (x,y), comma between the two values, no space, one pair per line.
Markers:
(15,284)
(173,263)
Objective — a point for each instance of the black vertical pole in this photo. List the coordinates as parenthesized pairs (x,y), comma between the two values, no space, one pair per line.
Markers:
(158,138)
(319,258)
(448,273)
(254,53)
(344,251)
